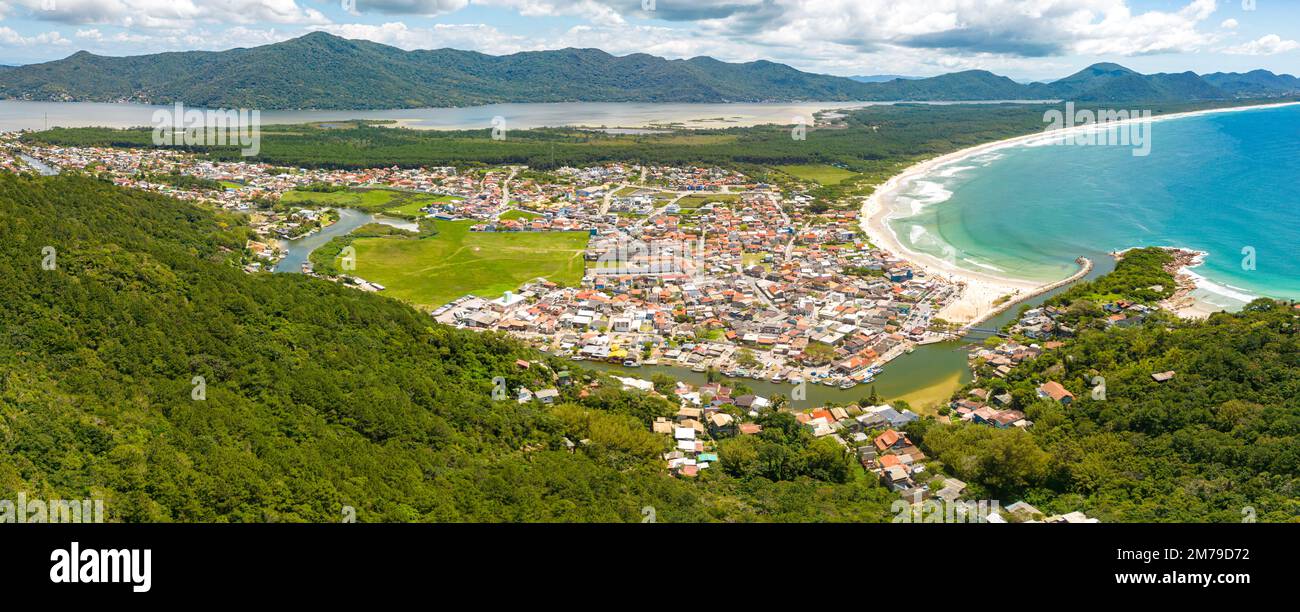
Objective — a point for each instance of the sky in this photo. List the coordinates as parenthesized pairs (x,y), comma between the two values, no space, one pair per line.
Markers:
(1023,39)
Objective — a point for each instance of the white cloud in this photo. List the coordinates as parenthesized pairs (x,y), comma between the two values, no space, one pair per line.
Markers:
(1026,37)
(1229,24)
(10,38)
(1271,44)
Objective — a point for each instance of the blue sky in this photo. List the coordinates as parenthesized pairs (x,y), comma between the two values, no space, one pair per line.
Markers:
(1024,39)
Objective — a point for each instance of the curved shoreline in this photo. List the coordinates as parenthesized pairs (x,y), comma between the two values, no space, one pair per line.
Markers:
(979,298)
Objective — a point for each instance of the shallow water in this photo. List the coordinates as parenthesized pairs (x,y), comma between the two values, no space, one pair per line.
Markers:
(1223,183)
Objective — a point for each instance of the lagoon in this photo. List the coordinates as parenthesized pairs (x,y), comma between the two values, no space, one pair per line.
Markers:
(25,115)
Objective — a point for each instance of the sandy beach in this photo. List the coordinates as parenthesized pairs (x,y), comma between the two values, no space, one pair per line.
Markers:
(983,294)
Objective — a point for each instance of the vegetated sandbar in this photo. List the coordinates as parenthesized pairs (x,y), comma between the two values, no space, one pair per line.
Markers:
(984,294)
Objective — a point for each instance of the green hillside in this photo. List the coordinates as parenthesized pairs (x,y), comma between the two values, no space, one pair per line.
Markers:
(317,396)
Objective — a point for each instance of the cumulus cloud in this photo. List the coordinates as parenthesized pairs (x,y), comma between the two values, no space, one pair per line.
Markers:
(1271,44)
(1015,28)
(10,38)
(837,36)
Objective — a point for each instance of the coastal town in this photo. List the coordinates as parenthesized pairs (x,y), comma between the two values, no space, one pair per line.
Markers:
(703,268)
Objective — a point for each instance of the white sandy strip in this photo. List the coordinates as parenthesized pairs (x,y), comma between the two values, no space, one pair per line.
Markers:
(981,289)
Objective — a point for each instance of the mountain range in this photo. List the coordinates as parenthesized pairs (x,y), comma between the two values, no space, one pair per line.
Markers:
(323,71)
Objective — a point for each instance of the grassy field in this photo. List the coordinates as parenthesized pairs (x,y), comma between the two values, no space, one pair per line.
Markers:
(389,201)
(515,213)
(820,173)
(433,271)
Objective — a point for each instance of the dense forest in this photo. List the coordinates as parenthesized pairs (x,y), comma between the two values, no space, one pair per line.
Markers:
(138,365)
(1220,441)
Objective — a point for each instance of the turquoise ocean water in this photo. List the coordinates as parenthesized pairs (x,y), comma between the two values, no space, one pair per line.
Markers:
(1227,184)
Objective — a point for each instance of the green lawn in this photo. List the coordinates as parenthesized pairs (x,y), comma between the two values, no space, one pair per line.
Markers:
(820,173)
(389,201)
(515,213)
(438,269)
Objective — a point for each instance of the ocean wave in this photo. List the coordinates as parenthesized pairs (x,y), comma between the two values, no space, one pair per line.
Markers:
(982,265)
(952,171)
(1235,294)
(915,234)
(929,192)
(987,158)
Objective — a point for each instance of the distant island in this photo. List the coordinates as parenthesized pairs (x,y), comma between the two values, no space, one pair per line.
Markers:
(323,71)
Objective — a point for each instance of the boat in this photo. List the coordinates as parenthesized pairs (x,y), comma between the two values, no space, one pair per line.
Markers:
(848,384)
(631,363)
(777,378)
(578,358)
(700,369)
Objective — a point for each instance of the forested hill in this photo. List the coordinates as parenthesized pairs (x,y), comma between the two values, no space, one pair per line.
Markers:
(316,397)
(1219,441)
(323,71)
(320,70)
